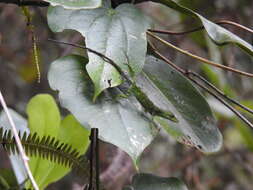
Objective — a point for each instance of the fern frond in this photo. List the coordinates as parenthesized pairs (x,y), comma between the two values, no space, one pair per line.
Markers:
(48,148)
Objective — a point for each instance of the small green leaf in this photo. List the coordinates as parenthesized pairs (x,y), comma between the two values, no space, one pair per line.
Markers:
(3,183)
(76,4)
(246,133)
(217,33)
(170,90)
(119,122)
(119,34)
(151,182)
(43,115)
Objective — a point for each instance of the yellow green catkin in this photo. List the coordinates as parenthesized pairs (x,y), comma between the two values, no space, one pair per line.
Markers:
(35,49)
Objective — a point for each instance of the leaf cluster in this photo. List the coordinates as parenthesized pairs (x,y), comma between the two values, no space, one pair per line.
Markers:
(47,148)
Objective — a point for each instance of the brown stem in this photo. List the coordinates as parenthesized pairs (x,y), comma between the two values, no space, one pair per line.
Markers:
(200,59)
(220,92)
(220,22)
(26,3)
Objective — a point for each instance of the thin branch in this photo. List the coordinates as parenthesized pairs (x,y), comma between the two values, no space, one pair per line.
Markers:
(235,24)
(26,3)
(186,73)
(201,59)
(19,144)
(245,120)
(97,160)
(220,22)
(94,160)
(175,33)
(105,58)
(91,160)
(220,92)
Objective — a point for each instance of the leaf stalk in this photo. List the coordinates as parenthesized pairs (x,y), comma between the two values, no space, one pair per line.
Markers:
(201,59)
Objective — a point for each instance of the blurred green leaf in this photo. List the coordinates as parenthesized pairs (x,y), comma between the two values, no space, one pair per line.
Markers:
(7,179)
(76,4)
(3,183)
(144,181)
(246,133)
(217,33)
(214,75)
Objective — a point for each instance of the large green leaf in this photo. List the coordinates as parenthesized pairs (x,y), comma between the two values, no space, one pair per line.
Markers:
(119,34)
(44,119)
(151,182)
(170,90)
(217,33)
(119,122)
(76,4)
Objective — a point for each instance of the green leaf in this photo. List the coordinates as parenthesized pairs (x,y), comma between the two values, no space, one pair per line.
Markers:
(246,133)
(214,75)
(76,4)
(119,122)
(45,120)
(119,34)
(170,90)
(151,182)
(43,115)
(217,33)
(72,133)
(3,183)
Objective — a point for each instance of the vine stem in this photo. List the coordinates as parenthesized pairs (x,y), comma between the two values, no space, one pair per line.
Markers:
(201,59)
(220,22)
(26,3)
(24,157)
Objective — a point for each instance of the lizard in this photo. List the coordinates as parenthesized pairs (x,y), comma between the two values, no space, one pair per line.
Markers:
(142,98)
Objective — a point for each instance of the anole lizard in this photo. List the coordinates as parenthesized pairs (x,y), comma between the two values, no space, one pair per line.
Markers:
(143,99)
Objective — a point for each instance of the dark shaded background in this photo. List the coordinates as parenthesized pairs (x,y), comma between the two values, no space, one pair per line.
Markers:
(229,169)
